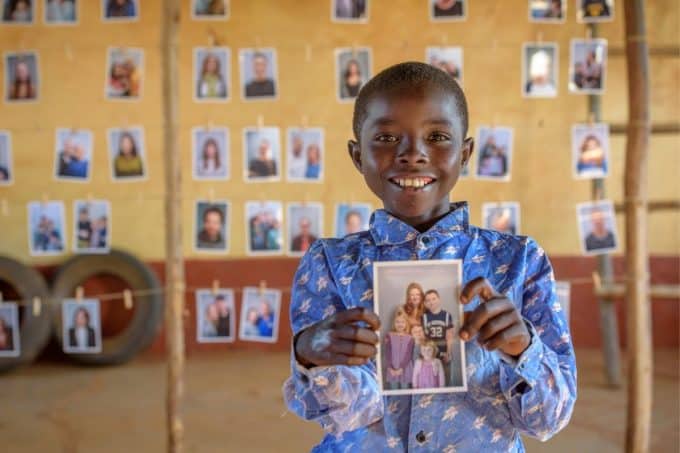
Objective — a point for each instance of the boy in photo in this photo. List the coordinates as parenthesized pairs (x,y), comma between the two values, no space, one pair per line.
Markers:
(437,323)
(521,369)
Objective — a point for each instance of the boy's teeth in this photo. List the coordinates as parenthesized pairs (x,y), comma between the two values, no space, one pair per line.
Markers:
(412,182)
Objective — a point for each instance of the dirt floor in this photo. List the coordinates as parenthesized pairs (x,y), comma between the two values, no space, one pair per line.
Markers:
(231,398)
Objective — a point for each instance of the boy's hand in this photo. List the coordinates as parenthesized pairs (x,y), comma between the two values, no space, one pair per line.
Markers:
(337,340)
(496,321)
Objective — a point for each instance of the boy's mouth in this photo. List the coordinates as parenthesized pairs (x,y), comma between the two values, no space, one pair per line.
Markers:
(413,183)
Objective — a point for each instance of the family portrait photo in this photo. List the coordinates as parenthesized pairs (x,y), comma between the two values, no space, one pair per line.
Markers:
(120,10)
(127,154)
(447,10)
(494,155)
(260,310)
(212,74)
(420,313)
(125,73)
(210,147)
(351,218)
(91,226)
(502,217)
(540,75)
(259,74)
(587,66)
(349,11)
(22,79)
(46,228)
(448,59)
(215,316)
(18,12)
(590,150)
(304,158)
(262,154)
(592,11)
(548,11)
(6,167)
(264,220)
(209,9)
(305,225)
(81,323)
(563,291)
(10,340)
(597,227)
(73,155)
(61,12)
(211,226)
(352,69)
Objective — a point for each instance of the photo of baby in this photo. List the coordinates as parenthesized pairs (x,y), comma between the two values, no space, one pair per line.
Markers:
(22,79)
(215,316)
(10,340)
(46,228)
(590,150)
(260,309)
(124,74)
(210,148)
(91,226)
(73,155)
(6,168)
(304,158)
(211,74)
(418,305)
(448,59)
(351,218)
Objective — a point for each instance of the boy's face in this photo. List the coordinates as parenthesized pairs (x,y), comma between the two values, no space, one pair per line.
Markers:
(410,152)
(433,303)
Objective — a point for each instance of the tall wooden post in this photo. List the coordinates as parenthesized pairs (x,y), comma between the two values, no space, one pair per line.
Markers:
(639,349)
(174,261)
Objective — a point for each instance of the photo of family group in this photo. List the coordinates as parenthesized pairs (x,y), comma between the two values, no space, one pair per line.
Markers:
(211,226)
(447,10)
(592,11)
(211,74)
(73,155)
(10,341)
(61,12)
(304,156)
(502,217)
(495,153)
(22,80)
(448,59)
(352,69)
(124,75)
(563,291)
(588,66)
(420,313)
(259,74)
(264,220)
(210,9)
(120,10)
(351,218)
(210,148)
(597,227)
(349,11)
(260,309)
(215,316)
(92,226)
(127,154)
(46,228)
(262,154)
(590,150)
(540,70)
(6,168)
(548,11)
(305,225)
(81,324)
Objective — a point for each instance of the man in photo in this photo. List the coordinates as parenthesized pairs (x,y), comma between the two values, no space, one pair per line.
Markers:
(263,164)
(99,238)
(599,237)
(211,234)
(304,239)
(350,9)
(502,220)
(72,160)
(353,222)
(297,161)
(436,323)
(264,232)
(217,318)
(261,85)
(81,334)
(47,236)
(447,8)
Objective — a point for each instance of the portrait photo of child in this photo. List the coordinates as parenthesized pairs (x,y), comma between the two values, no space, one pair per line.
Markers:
(593,11)
(91,226)
(210,9)
(264,223)
(73,155)
(262,154)
(120,10)
(211,226)
(46,228)
(304,157)
(305,225)
(259,79)
(124,73)
(548,11)
(447,10)
(352,69)
(260,310)
(18,12)
(210,147)
(590,150)
(22,78)
(563,290)
(212,74)
(10,340)
(494,157)
(503,217)
(6,167)
(420,312)
(349,11)
(81,324)
(448,59)
(540,75)
(351,218)
(215,316)
(588,66)
(597,227)
(127,154)
(61,12)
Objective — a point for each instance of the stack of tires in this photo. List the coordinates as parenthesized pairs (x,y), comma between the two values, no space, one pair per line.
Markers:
(37,326)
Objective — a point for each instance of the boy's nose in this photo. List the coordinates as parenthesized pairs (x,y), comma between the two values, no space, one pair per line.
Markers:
(413,152)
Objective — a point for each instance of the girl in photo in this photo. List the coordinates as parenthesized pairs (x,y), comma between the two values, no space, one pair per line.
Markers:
(351,80)
(428,371)
(250,327)
(21,87)
(414,306)
(211,83)
(127,163)
(120,8)
(209,164)
(399,353)
(418,334)
(591,157)
(18,11)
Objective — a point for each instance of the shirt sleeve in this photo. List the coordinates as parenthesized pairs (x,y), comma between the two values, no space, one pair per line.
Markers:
(540,385)
(340,398)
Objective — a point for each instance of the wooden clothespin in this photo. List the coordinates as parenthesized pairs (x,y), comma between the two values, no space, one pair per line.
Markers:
(263,287)
(37,306)
(79,294)
(215,287)
(260,122)
(127,299)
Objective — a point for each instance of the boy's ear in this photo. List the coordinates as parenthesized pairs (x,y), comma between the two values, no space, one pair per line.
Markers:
(354,154)
(466,150)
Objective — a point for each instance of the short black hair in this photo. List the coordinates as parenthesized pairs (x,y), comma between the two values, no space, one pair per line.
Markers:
(432,291)
(213,209)
(408,75)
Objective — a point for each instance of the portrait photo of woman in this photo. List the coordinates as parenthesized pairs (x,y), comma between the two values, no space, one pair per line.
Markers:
(211,73)
(126,151)
(21,77)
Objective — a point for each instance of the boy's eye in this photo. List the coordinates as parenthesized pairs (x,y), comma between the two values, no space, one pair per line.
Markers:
(386,138)
(438,137)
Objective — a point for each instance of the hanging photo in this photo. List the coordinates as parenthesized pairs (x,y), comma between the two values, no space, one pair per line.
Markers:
(448,59)
(495,153)
(351,218)
(120,10)
(305,225)
(260,310)
(212,231)
(590,150)
(210,153)
(592,11)
(81,321)
(22,79)
(125,74)
(91,226)
(588,66)
(597,227)
(18,12)
(419,352)
(262,152)
(447,10)
(10,341)
(353,69)
(210,9)
(73,155)
(127,154)
(6,167)
(563,290)
(305,154)
(539,70)
(502,217)
(349,11)
(258,74)
(46,228)
(211,74)
(215,316)
(61,12)
(264,220)
(548,11)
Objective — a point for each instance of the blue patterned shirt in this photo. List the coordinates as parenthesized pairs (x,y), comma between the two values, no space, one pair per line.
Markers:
(533,395)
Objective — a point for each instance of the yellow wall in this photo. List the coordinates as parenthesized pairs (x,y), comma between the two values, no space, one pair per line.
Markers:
(72,63)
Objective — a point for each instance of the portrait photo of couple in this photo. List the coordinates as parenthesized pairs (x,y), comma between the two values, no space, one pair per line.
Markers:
(215,316)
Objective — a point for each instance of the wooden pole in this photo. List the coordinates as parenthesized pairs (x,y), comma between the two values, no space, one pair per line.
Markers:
(639,348)
(174,261)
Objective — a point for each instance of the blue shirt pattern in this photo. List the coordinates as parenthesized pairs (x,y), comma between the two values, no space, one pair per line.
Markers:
(533,395)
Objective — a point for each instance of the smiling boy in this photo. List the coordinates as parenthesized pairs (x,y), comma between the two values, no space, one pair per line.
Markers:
(410,125)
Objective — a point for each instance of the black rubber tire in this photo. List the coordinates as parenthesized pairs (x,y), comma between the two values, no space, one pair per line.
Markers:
(148,309)
(34,330)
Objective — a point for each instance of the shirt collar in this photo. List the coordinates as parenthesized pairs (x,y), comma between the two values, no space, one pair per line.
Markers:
(388,230)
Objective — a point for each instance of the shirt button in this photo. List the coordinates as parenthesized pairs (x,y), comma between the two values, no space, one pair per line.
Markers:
(420,437)
(425,240)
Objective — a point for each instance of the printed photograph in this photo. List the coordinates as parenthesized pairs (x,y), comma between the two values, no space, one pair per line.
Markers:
(127,154)
(258,74)
(211,153)
(46,228)
(590,150)
(548,11)
(82,331)
(351,218)
(563,290)
(61,12)
(592,11)
(305,225)
(587,66)
(21,77)
(91,226)
(264,220)
(349,11)
(304,158)
(211,74)
(502,217)
(540,70)
(420,313)
(18,12)
(262,154)
(125,73)
(260,310)
(448,59)
(210,9)
(120,10)
(494,157)
(73,155)
(353,69)
(215,316)
(10,341)
(211,226)
(597,227)
(447,10)
(6,167)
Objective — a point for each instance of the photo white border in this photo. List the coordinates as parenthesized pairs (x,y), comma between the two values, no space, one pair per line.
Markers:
(121,20)
(575,151)
(242,74)
(376,308)
(231,301)
(249,291)
(572,44)
(90,167)
(488,206)
(336,212)
(61,23)
(33,21)
(510,152)
(227,230)
(433,19)
(194,151)
(98,340)
(64,231)
(141,69)
(227,75)
(282,231)
(246,162)
(289,227)
(7,77)
(583,20)
(10,159)
(565,9)
(461,82)
(609,206)
(288,151)
(210,17)
(109,228)
(336,56)
(16,327)
(556,65)
(361,21)
(110,157)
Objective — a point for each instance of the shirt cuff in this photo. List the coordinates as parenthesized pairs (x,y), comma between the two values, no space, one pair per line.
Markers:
(518,375)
